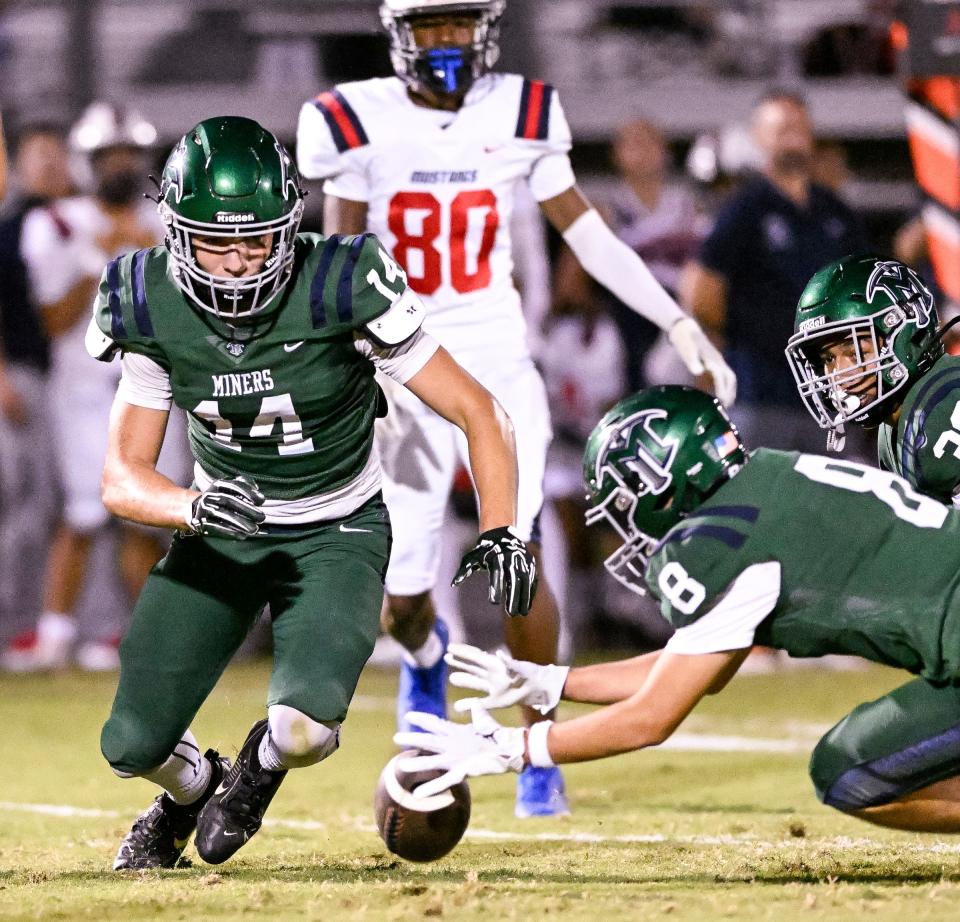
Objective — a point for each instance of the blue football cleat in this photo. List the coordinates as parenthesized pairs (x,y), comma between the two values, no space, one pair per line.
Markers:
(424,689)
(541,792)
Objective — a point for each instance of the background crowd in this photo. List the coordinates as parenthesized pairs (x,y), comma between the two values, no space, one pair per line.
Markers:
(733,224)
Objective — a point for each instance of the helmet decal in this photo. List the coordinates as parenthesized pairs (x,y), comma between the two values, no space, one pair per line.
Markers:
(903,286)
(640,457)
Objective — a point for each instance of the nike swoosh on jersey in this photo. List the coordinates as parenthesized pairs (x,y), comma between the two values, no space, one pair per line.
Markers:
(291,347)
(365,531)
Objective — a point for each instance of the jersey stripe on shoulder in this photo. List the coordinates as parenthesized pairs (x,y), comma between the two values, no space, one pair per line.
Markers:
(318,310)
(342,120)
(117,328)
(729,536)
(345,283)
(140,312)
(533,121)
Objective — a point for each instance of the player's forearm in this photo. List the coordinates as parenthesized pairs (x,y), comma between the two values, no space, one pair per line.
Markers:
(619,728)
(615,266)
(493,461)
(139,493)
(608,683)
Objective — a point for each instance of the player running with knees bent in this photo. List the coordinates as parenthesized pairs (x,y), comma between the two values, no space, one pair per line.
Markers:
(428,160)
(739,550)
(269,340)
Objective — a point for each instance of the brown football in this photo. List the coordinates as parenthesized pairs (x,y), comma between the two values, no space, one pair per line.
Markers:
(419,830)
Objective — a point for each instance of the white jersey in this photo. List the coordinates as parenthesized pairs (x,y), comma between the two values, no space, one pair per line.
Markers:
(60,245)
(439,187)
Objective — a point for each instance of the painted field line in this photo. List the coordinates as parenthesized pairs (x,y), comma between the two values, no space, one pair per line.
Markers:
(841,843)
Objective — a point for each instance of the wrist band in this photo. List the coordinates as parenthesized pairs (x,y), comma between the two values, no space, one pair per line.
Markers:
(537,747)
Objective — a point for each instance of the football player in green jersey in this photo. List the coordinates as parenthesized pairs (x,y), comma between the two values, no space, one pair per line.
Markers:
(735,549)
(867,351)
(269,340)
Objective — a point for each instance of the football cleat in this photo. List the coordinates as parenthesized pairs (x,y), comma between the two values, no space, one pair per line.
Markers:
(424,689)
(234,813)
(541,792)
(161,833)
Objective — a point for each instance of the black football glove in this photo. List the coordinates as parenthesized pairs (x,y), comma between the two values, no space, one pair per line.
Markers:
(228,509)
(511,566)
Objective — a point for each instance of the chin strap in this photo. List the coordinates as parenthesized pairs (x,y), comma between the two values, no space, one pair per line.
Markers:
(836,438)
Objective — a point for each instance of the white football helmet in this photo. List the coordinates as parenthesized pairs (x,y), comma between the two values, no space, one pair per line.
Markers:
(448,70)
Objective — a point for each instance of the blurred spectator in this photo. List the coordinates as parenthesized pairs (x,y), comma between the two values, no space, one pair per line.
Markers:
(27,479)
(660,221)
(66,245)
(769,238)
(582,364)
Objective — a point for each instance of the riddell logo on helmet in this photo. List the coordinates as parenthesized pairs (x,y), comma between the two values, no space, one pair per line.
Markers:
(235,217)
(811,324)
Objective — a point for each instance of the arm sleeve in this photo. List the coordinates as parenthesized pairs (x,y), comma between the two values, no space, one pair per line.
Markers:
(401,362)
(615,266)
(144,383)
(319,158)
(732,622)
(551,172)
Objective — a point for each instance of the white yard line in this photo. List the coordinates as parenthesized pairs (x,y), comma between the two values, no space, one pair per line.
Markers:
(841,843)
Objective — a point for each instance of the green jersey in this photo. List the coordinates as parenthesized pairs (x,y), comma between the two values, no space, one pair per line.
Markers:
(814,555)
(925,445)
(293,408)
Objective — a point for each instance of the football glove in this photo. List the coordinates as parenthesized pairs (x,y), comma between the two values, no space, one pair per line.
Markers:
(700,355)
(510,564)
(504,680)
(460,750)
(228,509)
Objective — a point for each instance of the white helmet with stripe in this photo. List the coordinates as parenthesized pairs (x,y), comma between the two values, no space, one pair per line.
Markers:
(448,70)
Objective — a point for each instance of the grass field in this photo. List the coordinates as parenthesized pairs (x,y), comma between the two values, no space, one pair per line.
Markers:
(723,826)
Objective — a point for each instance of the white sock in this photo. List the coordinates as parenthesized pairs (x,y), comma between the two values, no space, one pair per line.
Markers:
(269,756)
(186,774)
(428,655)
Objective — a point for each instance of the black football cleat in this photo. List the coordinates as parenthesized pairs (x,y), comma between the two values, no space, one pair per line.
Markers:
(161,833)
(235,811)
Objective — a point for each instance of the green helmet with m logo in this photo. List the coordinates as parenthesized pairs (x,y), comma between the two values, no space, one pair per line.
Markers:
(230,180)
(884,316)
(653,459)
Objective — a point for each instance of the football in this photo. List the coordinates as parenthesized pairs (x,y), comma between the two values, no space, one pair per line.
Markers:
(415,829)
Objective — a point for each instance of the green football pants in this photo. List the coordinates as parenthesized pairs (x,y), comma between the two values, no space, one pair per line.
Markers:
(886,748)
(324,585)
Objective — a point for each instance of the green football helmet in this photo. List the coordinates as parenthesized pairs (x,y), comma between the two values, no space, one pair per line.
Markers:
(229,178)
(885,316)
(652,460)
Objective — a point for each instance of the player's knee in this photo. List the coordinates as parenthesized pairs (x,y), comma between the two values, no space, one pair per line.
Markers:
(300,740)
(131,749)
(845,784)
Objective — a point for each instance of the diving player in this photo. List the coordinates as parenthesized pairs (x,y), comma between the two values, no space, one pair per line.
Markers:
(269,341)
(804,553)
(428,160)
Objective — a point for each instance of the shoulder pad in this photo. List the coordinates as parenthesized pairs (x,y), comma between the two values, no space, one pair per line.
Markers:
(929,451)
(355,282)
(99,346)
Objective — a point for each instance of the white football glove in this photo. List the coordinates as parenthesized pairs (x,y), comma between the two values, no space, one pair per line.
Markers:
(460,750)
(700,355)
(504,680)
